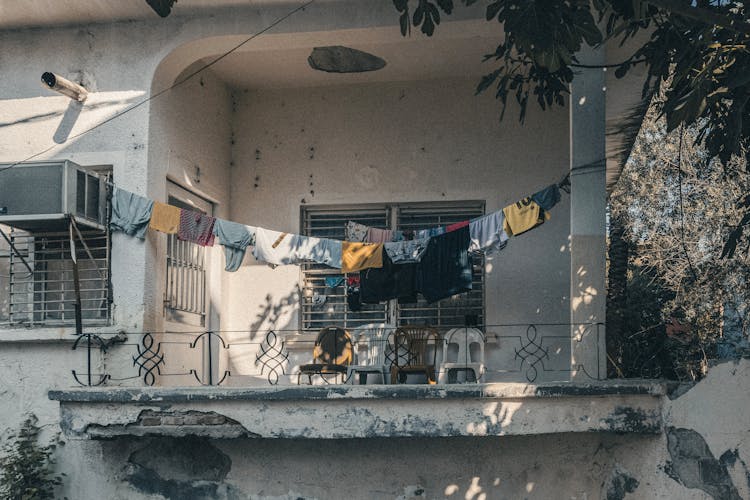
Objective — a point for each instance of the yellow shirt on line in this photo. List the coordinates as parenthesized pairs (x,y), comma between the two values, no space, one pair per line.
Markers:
(358,256)
(165,218)
(523,215)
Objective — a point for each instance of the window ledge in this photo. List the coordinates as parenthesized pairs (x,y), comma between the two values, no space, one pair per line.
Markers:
(49,334)
(362,411)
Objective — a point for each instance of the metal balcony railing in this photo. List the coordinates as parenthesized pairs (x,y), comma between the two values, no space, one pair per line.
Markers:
(540,352)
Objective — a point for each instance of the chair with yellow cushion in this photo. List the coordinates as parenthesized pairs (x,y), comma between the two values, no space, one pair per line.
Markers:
(332,354)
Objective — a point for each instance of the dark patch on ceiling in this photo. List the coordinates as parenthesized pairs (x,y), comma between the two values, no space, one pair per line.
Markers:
(338,59)
(161,7)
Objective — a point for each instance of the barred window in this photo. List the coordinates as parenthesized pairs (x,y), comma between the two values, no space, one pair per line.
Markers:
(45,296)
(324,305)
(462,308)
(185,296)
(324,290)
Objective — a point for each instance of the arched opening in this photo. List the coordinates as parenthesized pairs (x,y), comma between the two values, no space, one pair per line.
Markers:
(267,140)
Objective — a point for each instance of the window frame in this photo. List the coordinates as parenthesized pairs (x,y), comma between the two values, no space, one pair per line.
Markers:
(188,266)
(41,249)
(392,318)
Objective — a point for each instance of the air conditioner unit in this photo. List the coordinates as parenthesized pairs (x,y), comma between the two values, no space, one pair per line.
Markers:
(41,196)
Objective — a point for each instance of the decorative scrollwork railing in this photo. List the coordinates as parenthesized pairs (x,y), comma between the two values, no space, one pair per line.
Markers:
(530,353)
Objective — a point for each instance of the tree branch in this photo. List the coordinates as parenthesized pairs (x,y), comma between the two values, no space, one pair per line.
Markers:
(699,14)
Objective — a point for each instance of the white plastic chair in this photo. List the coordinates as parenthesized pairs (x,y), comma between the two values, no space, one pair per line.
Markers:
(369,348)
(464,338)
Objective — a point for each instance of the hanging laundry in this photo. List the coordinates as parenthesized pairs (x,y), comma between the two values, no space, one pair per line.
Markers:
(487,233)
(547,197)
(130,213)
(353,298)
(457,225)
(235,238)
(320,250)
(196,227)
(274,247)
(355,231)
(358,256)
(333,282)
(429,233)
(392,281)
(445,268)
(402,235)
(165,218)
(353,280)
(403,252)
(523,215)
(375,235)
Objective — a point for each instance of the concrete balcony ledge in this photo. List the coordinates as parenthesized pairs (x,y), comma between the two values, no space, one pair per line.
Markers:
(339,411)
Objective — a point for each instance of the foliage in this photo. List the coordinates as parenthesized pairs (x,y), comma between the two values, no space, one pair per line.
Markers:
(699,52)
(674,199)
(26,466)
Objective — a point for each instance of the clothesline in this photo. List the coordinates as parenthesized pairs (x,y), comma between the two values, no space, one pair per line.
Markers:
(392,264)
(363,247)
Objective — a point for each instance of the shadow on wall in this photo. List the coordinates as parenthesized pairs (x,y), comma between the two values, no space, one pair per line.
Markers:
(272,310)
(585,294)
(69,115)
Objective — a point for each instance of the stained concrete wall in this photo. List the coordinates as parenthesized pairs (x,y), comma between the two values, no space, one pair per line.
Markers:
(402,142)
(703,453)
(397,142)
(118,62)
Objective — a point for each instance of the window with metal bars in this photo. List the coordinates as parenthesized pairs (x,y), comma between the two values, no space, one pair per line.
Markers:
(45,296)
(185,295)
(324,290)
(461,309)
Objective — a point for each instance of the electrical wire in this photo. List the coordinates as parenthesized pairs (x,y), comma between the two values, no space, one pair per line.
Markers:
(164,91)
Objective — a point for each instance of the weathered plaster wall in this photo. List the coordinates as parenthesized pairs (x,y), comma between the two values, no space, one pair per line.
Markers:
(191,146)
(702,454)
(117,62)
(396,142)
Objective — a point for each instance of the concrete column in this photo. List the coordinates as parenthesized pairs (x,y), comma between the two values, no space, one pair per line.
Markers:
(587,219)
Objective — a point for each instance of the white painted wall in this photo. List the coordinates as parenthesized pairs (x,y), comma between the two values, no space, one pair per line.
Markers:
(352,132)
(401,142)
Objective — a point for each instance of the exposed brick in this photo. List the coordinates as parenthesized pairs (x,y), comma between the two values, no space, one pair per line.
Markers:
(172,420)
(213,420)
(150,421)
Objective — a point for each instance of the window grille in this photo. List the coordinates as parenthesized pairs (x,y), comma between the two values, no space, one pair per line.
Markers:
(457,310)
(46,296)
(185,296)
(330,222)
(325,306)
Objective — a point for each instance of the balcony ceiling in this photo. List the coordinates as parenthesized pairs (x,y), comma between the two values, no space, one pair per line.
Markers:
(416,58)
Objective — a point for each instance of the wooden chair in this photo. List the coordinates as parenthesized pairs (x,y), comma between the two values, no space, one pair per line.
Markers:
(332,354)
(410,353)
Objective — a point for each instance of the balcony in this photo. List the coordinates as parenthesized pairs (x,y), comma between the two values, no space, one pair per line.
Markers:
(247,384)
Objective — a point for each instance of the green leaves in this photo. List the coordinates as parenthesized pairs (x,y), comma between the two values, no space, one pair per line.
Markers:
(26,465)
(541,40)
(426,14)
(697,52)
(402,6)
